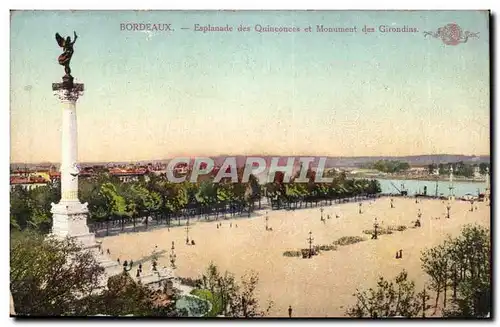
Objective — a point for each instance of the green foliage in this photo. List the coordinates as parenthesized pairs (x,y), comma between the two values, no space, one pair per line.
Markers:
(380,231)
(325,247)
(390,166)
(462,266)
(346,240)
(193,282)
(233,299)
(31,208)
(292,253)
(340,187)
(214,301)
(399,228)
(123,296)
(395,298)
(459,168)
(50,277)
(155,197)
(315,249)
(115,204)
(484,168)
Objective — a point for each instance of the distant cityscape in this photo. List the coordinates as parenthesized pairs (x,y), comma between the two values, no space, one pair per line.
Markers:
(471,168)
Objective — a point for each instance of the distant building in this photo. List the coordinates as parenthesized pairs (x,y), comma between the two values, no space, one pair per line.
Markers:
(54,176)
(28,183)
(477,172)
(417,171)
(128,175)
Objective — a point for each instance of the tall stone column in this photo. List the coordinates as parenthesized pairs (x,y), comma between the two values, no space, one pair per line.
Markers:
(69,215)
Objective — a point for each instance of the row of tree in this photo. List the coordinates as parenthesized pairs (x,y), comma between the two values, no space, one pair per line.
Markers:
(390,166)
(155,197)
(459,269)
(459,168)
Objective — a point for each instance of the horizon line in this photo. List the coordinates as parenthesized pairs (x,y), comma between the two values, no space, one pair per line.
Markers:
(261,155)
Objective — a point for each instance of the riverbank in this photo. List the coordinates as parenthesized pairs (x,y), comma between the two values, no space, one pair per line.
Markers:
(427,178)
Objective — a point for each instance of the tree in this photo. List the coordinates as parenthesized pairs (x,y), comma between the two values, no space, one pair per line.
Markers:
(390,166)
(245,305)
(50,277)
(124,297)
(435,263)
(115,205)
(31,208)
(463,263)
(483,166)
(146,202)
(234,300)
(471,257)
(20,211)
(389,299)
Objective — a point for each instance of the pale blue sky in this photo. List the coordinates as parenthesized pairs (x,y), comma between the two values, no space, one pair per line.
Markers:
(169,94)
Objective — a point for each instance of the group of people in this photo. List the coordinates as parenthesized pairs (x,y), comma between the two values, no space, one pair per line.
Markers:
(219,225)
(328,217)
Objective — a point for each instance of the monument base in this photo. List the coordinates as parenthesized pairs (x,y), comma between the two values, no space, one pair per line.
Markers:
(70,220)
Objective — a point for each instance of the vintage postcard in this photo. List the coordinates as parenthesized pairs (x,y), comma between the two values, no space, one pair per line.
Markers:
(222,164)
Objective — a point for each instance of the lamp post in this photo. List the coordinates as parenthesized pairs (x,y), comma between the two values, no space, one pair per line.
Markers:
(375,229)
(310,239)
(154,257)
(419,215)
(173,256)
(267,220)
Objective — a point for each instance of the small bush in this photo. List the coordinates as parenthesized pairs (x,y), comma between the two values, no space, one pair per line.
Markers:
(315,250)
(346,240)
(380,231)
(306,251)
(292,254)
(325,247)
(398,228)
(192,282)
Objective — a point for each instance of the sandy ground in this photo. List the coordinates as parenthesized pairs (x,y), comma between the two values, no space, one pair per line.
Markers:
(317,287)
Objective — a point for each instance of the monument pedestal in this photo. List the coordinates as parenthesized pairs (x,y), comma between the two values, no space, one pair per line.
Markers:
(70,219)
